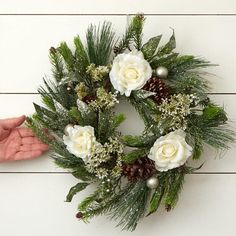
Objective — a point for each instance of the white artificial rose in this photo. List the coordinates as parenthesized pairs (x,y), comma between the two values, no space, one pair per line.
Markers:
(170,151)
(80,140)
(130,71)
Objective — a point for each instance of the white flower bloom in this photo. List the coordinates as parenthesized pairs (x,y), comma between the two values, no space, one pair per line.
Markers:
(170,151)
(130,71)
(80,141)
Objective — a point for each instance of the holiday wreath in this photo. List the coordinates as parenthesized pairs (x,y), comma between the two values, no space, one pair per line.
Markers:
(79,120)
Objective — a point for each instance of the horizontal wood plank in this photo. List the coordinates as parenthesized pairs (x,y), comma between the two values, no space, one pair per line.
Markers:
(116,7)
(25,41)
(34,204)
(18,104)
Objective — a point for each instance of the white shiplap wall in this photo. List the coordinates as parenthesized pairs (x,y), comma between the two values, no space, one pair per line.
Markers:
(32,193)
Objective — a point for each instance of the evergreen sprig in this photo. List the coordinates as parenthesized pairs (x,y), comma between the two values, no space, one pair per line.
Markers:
(100,42)
(133,35)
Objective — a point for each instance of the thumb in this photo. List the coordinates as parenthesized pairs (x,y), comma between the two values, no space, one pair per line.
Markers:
(12,122)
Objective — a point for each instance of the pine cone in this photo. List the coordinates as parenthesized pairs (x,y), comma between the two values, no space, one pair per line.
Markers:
(159,87)
(142,168)
(88,98)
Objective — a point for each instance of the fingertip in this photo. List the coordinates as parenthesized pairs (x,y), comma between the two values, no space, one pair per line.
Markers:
(36,154)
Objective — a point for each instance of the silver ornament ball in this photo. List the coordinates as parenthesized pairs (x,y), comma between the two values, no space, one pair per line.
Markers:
(66,130)
(162,72)
(68,89)
(152,182)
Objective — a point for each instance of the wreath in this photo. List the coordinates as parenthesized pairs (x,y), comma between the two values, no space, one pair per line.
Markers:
(132,175)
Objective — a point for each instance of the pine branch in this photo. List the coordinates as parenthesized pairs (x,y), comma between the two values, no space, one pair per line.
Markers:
(210,127)
(130,206)
(138,22)
(57,64)
(132,35)
(67,55)
(147,110)
(174,187)
(100,42)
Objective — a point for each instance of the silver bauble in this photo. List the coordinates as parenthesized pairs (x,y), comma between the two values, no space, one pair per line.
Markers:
(66,130)
(68,89)
(152,182)
(162,72)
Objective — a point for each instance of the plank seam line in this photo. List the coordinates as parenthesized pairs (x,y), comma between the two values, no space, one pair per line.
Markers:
(117,14)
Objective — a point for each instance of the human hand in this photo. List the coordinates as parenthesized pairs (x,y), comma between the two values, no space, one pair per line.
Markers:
(18,143)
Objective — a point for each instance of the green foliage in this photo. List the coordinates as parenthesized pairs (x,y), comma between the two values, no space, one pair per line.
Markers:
(107,124)
(168,47)
(83,117)
(58,94)
(150,47)
(74,190)
(100,201)
(169,188)
(156,199)
(133,34)
(130,206)
(147,109)
(81,59)
(159,56)
(175,185)
(138,22)
(68,56)
(214,115)
(143,141)
(134,155)
(57,64)
(210,128)
(100,42)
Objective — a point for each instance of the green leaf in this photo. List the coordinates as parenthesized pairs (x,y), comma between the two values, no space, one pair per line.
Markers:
(150,47)
(75,114)
(80,52)
(142,94)
(67,56)
(75,189)
(213,112)
(118,120)
(176,181)
(156,199)
(138,141)
(197,150)
(82,174)
(132,156)
(169,47)
(165,60)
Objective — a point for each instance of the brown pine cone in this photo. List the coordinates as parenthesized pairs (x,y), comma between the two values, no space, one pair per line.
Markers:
(141,169)
(88,98)
(159,87)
